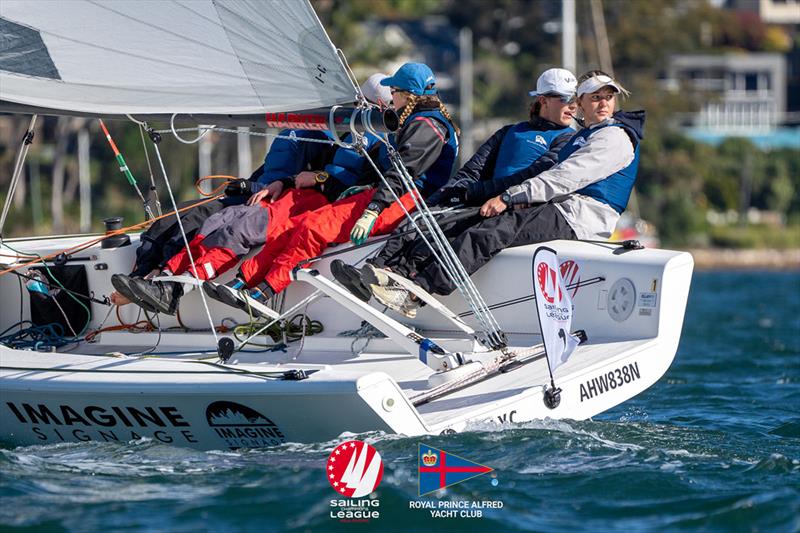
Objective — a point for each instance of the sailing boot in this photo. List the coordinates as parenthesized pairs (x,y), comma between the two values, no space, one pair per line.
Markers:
(227,293)
(235,294)
(163,296)
(350,278)
(122,284)
(398,298)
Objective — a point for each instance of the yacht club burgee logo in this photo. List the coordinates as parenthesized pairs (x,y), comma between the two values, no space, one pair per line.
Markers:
(439,469)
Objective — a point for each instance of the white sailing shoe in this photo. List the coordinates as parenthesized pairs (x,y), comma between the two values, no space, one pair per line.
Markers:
(397,298)
(372,275)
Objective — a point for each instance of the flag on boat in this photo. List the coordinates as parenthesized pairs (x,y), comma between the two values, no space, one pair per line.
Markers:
(554,307)
(145,57)
(439,469)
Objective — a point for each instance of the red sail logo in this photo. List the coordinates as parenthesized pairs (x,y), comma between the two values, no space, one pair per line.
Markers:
(354,469)
(546,277)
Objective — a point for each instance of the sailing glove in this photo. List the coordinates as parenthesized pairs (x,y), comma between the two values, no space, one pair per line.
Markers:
(363,227)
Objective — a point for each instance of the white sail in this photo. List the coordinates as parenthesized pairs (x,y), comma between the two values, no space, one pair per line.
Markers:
(168,56)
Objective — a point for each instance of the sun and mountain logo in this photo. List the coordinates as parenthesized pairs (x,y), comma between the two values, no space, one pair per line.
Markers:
(354,469)
(242,427)
(439,469)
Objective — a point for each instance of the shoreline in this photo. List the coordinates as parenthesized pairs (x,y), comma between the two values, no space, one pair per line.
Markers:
(731,259)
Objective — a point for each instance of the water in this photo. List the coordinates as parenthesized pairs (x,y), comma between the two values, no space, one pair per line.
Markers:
(715,445)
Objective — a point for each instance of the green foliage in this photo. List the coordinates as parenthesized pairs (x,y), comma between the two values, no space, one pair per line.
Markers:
(679,180)
(755,236)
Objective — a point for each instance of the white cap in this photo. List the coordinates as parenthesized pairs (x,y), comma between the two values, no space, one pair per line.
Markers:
(555,81)
(595,83)
(375,92)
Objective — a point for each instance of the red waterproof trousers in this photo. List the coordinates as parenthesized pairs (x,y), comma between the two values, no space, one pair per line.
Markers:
(211,261)
(307,235)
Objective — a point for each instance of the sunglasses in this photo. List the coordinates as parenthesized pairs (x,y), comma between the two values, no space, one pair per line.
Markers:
(564,99)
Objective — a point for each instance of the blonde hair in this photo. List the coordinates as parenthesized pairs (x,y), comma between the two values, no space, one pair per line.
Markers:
(428,100)
(592,73)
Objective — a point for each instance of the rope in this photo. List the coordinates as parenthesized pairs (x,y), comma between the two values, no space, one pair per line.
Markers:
(181,139)
(217,190)
(366,331)
(294,329)
(90,243)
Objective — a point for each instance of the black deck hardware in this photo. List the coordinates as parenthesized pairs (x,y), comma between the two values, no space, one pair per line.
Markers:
(225,347)
(552,397)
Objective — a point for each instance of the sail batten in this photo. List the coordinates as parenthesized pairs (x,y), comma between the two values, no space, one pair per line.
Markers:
(161,57)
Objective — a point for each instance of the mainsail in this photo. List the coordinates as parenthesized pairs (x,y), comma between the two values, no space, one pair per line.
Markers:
(157,57)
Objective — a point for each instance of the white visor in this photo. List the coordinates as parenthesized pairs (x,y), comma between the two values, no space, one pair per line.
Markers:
(595,83)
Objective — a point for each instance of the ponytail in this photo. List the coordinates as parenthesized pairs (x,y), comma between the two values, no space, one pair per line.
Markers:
(429,101)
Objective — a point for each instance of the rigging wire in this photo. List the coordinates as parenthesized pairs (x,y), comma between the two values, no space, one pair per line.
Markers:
(18,166)
(185,241)
(153,188)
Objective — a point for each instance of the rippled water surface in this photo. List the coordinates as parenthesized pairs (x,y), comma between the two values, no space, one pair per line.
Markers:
(715,445)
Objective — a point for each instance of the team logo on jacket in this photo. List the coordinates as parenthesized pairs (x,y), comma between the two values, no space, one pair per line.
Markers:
(354,469)
(579,141)
(540,140)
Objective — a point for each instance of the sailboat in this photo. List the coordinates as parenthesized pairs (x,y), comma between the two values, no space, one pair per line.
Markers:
(468,359)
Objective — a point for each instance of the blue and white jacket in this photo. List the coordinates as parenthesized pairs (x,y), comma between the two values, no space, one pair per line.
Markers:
(594,178)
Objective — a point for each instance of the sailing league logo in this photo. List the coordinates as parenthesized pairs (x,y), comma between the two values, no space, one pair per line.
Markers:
(354,469)
(546,277)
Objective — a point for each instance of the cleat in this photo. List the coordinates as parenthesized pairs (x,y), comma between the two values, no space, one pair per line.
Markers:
(162,296)
(350,278)
(122,284)
(397,298)
(372,275)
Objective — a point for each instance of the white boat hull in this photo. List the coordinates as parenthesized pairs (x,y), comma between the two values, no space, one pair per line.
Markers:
(177,399)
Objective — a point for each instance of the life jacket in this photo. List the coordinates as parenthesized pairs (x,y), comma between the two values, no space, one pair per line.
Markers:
(439,172)
(348,165)
(615,190)
(522,146)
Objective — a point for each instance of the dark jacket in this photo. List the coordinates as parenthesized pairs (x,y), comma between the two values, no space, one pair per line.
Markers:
(420,144)
(477,176)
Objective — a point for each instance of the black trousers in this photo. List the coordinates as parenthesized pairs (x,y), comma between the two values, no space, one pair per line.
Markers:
(475,241)
(163,239)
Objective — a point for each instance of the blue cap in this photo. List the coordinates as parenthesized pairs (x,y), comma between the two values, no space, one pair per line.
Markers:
(412,77)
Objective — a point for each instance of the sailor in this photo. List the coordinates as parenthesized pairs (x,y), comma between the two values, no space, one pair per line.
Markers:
(269,214)
(427,143)
(581,197)
(511,155)
(286,157)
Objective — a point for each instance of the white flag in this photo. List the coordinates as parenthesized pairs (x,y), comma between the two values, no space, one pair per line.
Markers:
(554,307)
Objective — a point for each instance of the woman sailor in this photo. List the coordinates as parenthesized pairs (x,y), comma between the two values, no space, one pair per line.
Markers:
(427,143)
(581,197)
